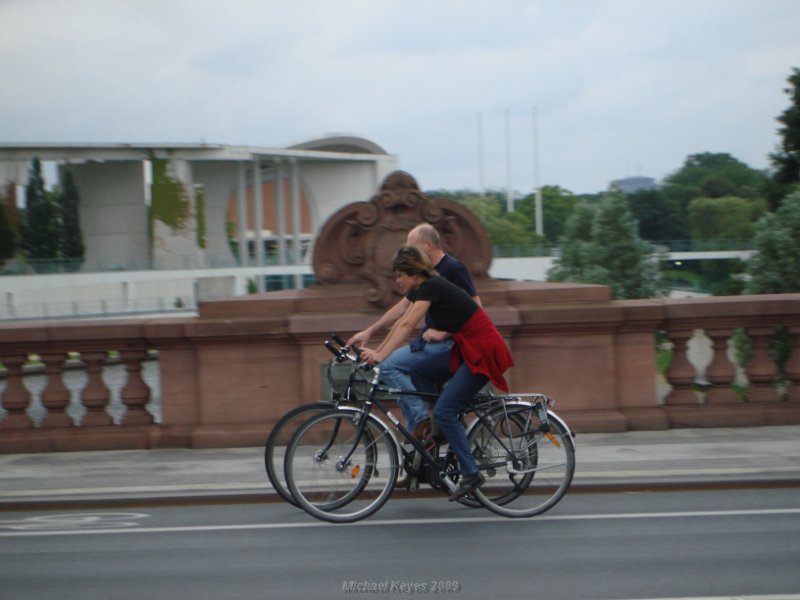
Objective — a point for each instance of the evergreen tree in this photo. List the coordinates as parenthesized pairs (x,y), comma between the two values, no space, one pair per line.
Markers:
(71,239)
(576,262)
(602,246)
(786,160)
(40,231)
(775,268)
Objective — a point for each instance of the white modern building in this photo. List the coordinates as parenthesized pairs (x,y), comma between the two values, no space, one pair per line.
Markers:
(180,207)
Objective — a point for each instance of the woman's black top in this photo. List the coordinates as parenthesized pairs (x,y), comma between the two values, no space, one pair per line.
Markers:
(451,306)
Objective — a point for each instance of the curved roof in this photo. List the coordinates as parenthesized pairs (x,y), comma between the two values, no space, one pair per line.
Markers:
(341,142)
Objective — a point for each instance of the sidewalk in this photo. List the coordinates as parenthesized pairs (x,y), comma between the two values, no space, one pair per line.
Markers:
(678,457)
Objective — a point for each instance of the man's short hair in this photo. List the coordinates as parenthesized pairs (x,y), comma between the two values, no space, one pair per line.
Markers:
(427,233)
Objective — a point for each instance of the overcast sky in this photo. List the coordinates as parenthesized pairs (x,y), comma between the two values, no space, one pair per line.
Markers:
(621,87)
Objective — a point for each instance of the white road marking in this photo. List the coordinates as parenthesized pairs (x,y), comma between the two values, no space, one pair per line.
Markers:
(768,597)
(406,522)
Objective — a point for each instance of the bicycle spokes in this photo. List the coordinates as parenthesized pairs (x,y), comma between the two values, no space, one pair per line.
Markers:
(527,469)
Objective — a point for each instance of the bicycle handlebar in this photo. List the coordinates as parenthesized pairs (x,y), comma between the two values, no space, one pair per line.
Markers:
(343,344)
(342,353)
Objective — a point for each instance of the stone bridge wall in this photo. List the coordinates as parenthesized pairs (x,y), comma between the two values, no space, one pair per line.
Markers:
(223,379)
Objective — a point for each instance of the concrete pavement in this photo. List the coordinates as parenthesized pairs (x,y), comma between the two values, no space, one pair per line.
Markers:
(640,460)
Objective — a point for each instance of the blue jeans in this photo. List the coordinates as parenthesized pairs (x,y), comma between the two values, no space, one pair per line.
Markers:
(429,375)
(395,372)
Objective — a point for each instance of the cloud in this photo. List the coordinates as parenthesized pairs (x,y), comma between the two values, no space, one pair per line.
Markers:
(621,86)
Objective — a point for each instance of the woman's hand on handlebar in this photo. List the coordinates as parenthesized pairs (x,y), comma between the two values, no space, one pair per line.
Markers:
(370,356)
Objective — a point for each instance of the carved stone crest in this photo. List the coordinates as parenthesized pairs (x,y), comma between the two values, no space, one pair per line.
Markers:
(357,243)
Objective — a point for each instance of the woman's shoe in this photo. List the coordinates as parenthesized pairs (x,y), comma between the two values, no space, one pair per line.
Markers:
(466,485)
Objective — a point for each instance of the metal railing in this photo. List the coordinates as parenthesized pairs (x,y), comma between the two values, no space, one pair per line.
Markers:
(527,250)
(221,261)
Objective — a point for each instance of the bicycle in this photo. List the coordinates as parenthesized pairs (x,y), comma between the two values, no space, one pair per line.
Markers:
(347,385)
(342,464)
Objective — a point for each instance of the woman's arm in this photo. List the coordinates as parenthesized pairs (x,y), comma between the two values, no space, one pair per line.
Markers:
(390,316)
(399,333)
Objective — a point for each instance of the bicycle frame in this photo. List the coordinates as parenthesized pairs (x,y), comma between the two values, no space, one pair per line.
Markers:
(480,409)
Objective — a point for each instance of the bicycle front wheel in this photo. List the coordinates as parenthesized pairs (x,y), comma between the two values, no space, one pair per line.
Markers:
(336,474)
(279,437)
(528,466)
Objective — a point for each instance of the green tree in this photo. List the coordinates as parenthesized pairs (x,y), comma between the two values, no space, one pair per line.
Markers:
(786,159)
(8,236)
(663,214)
(40,231)
(775,268)
(713,175)
(504,229)
(71,246)
(660,214)
(601,245)
(576,262)
(727,218)
(557,205)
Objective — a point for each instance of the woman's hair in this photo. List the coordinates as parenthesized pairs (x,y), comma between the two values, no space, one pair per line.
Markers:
(412,261)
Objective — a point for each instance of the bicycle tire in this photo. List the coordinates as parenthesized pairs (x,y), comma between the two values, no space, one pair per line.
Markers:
(529,467)
(278,439)
(335,492)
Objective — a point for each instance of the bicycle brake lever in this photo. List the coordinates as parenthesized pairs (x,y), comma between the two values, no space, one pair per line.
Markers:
(344,345)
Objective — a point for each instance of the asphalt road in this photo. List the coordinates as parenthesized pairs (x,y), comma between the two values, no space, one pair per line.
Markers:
(723,543)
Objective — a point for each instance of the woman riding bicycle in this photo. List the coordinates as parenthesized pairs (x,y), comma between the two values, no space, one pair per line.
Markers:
(479,353)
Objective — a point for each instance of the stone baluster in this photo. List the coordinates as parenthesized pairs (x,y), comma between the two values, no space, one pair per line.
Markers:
(16,397)
(136,393)
(721,372)
(681,373)
(55,396)
(95,395)
(761,370)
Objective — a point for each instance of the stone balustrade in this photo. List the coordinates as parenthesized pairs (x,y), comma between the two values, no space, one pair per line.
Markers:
(225,377)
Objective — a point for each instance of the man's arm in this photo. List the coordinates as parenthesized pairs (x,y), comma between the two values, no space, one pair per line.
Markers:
(388,318)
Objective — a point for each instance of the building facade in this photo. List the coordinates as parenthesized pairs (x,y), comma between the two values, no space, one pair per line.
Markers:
(225,213)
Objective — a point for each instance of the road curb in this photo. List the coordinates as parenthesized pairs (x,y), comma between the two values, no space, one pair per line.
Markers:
(268,496)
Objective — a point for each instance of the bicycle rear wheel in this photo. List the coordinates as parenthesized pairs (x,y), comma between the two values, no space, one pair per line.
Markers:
(528,467)
(337,476)
(278,439)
